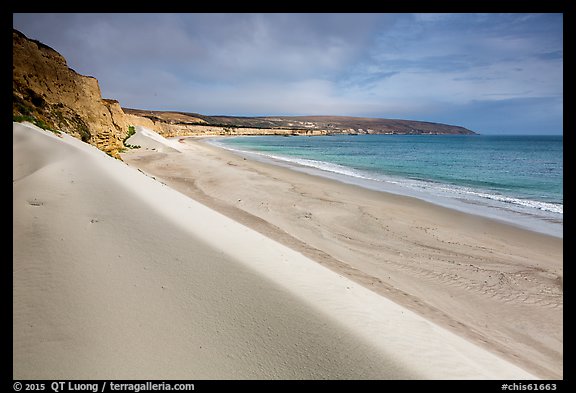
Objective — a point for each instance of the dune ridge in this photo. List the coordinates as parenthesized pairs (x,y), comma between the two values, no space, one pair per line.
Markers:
(119,276)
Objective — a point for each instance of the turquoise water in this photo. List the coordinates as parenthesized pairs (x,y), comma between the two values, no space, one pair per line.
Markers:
(516,178)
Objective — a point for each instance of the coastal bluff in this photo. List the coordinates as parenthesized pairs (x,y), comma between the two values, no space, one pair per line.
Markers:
(53,96)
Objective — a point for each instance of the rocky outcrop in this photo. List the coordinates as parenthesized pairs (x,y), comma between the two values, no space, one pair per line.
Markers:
(47,90)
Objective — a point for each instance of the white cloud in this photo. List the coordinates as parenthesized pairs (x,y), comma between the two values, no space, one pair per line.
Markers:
(351,64)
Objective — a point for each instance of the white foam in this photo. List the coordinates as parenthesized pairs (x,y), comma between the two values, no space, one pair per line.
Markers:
(535,215)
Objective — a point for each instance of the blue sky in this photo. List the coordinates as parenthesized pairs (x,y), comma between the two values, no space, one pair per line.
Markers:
(492,73)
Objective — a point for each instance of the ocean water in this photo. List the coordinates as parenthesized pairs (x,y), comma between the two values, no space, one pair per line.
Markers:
(517,179)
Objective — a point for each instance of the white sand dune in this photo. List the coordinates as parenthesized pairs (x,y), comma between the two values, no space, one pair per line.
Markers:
(148,139)
(118,276)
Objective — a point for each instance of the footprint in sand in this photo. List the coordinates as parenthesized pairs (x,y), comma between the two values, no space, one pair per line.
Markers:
(35,202)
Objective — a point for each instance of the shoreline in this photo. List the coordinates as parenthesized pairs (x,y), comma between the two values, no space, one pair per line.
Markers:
(484,208)
(475,276)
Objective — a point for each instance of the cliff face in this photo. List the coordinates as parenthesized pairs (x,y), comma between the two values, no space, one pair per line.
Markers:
(179,123)
(45,89)
(170,129)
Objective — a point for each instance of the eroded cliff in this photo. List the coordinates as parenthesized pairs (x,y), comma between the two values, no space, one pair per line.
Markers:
(47,91)
(54,96)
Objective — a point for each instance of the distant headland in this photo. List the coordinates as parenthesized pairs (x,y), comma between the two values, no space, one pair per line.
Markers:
(50,94)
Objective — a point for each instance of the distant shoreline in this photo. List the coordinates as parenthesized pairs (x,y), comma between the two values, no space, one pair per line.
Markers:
(302,125)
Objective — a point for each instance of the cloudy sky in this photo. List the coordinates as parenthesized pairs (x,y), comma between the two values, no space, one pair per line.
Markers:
(491,73)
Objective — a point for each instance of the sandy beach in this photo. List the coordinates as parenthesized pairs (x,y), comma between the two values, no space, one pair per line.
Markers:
(495,284)
(189,262)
